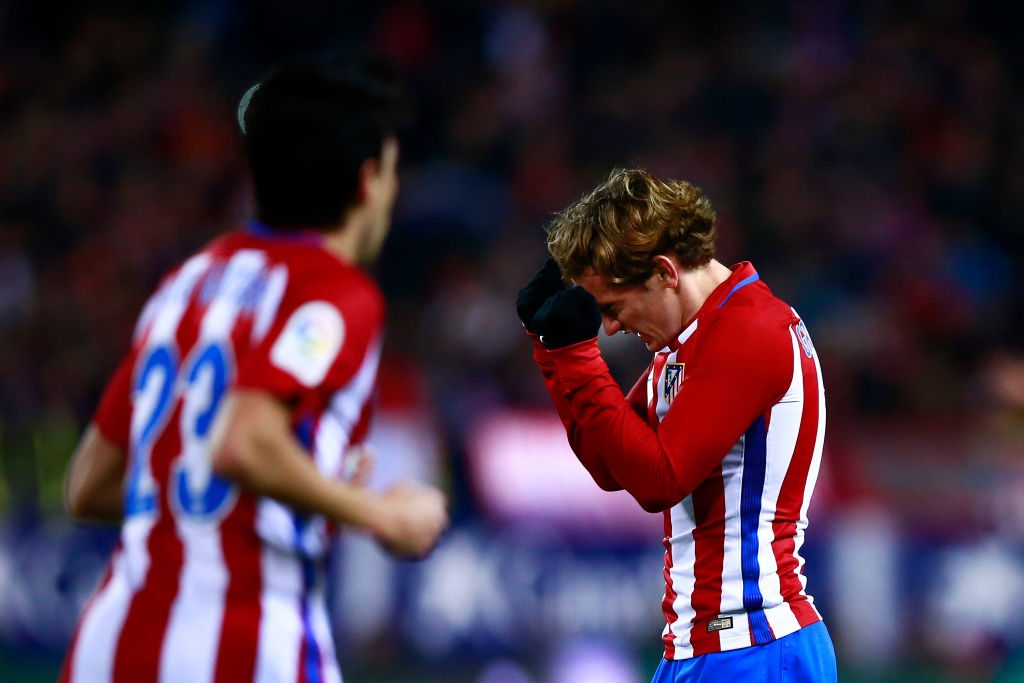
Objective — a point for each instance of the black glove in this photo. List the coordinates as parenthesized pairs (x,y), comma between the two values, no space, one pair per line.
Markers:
(546,283)
(567,317)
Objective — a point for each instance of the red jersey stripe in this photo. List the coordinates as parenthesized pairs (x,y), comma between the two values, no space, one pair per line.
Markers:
(668,602)
(142,636)
(240,627)
(791,498)
(709,539)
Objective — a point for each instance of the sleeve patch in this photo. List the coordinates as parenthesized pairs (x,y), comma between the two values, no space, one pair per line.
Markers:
(309,342)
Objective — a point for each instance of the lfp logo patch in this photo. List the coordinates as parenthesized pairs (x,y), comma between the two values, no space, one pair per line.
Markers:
(805,339)
(309,342)
(673,378)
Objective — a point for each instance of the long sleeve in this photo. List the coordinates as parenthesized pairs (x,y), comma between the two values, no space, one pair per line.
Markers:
(578,439)
(737,371)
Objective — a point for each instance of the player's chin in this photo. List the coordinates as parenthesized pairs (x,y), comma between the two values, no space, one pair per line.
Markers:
(653,345)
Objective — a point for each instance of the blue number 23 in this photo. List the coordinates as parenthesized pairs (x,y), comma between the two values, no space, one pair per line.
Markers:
(196,492)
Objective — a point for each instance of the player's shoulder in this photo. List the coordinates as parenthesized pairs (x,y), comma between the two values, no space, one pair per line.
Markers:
(331,314)
(330,293)
(313,271)
(315,278)
(336,280)
(753,314)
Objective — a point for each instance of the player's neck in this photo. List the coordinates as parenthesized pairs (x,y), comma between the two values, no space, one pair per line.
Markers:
(697,285)
(345,241)
(341,243)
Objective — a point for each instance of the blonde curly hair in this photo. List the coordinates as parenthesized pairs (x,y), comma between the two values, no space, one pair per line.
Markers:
(621,225)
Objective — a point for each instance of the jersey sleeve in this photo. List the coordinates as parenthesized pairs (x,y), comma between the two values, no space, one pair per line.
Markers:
(578,439)
(739,371)
(113,417)
(319,341)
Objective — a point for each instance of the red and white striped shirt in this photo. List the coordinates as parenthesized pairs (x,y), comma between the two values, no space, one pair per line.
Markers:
(724,434)
(209,582)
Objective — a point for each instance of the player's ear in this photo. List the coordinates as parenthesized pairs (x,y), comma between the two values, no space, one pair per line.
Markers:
(369,177)
(666,270)
(377,175)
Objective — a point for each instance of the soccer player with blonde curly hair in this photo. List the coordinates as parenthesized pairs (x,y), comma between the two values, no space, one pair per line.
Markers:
(722,434)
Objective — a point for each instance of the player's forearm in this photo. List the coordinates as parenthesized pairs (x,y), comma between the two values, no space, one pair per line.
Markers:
(611,432)
(661,466)
(594,466)
(607,428)
(292,478)
(93,486)
(256,449)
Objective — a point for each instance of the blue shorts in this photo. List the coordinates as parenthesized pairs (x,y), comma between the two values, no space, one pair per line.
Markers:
(805,656)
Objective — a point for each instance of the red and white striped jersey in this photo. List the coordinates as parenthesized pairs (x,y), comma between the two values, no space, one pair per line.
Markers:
(724,434)
(210,582)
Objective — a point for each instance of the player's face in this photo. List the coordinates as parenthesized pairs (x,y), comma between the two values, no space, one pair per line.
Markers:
(382,202)
(648,310)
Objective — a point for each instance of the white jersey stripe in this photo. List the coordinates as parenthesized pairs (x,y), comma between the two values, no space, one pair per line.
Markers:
(173,300)
(819,442)
(281,621)
(322,633)
(335,428)
(812,477)
(168,304)
(682,574)
(193,632)
(782,433)
(732,565)
(95,647)
(266,310)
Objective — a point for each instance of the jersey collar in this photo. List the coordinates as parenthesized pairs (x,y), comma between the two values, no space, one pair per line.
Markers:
(743,274)
(307,236)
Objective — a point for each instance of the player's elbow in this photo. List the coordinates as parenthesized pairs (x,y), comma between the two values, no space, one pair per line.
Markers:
(607,484)
(233,452)
(77,504)
(657,499)
(85,504)
(653,504)
(232,458)
(93,484)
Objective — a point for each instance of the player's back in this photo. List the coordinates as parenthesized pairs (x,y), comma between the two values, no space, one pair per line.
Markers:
(211,582)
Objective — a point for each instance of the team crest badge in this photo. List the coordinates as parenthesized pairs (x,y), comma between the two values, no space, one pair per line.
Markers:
(673,378)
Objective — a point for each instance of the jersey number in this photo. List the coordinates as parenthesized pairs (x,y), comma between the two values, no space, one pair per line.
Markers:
(196,492)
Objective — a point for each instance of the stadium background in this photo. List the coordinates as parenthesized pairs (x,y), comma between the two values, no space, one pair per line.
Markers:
(867,160)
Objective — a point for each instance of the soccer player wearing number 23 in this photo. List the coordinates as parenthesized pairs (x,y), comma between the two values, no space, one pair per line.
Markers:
(221,440)
(722,434)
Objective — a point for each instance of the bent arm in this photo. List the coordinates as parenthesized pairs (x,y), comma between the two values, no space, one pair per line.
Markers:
(578,439)
(93,484)
(253,444)
(94,481)
(729,387)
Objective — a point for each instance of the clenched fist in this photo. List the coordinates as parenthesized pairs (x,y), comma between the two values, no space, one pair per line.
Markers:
(414,515)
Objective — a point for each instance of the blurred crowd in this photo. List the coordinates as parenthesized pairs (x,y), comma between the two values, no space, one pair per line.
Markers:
(867,159)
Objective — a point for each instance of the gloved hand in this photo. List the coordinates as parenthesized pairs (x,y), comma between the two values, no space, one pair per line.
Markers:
(567,317)
(546,283)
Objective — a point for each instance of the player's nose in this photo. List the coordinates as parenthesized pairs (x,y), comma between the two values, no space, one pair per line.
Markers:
(610,325)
